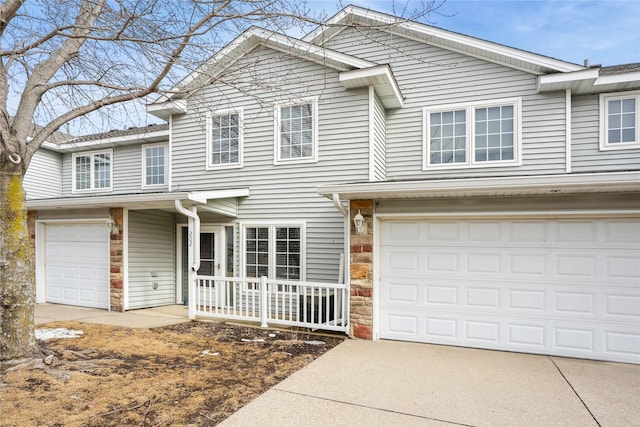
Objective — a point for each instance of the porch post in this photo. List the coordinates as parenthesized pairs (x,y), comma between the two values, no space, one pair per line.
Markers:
(193,246)
(264,307)
(191,279)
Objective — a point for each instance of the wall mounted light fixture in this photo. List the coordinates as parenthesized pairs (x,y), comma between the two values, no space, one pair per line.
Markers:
(112,226)
(358,221)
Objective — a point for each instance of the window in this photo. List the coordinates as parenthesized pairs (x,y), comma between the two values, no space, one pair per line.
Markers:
(92,171)
(288,253)
(154,165)
(224,139)
(473,135)
(296,132)
(619,121)
(274,251)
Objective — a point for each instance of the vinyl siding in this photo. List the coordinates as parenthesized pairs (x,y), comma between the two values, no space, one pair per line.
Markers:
(127,172)
(43,178)
(71,214)
(285,192)
(585,141)
(151,248)
(379,141)
(429,76)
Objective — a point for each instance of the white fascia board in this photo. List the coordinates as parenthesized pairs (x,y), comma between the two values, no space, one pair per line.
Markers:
(604,182)
(165,109)
(618,78)
(381,78)
(434,33)
(204,196)
(561,81)
(125,200)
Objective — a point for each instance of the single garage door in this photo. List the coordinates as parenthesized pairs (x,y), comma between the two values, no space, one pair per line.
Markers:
(567,287)
(77,264)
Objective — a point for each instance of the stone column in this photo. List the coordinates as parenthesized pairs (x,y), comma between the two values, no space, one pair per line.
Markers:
(361,274)
(116,302)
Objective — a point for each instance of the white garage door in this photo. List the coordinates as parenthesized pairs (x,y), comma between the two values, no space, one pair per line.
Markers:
(77,264)
(563,287)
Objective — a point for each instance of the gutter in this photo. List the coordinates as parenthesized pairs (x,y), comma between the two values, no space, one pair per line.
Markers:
(194,227)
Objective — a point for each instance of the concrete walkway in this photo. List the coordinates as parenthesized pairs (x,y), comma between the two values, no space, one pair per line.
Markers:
(143,318)
(386,383)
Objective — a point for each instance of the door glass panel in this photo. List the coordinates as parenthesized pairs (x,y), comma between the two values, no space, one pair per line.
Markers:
(207,254)
(229,250)
(185,266)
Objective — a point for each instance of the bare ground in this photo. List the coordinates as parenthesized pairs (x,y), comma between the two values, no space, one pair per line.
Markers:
(192,374)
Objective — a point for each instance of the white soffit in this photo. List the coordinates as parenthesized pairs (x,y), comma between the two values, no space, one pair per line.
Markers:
(381,78)
(477,187)
(588,81)
(165,109)
(163,201)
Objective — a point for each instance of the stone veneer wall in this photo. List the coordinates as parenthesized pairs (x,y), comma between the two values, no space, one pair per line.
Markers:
(361,272)
(116,301)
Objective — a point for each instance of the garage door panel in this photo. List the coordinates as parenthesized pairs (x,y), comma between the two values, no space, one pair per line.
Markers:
(564,287)
(76,264)
(623,305)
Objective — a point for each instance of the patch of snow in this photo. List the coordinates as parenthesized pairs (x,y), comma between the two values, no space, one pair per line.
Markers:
(315,342)
(209,353)
(256,340)
(47,334)
(272,335)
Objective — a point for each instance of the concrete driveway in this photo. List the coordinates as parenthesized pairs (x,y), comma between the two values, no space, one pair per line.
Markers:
(386,383)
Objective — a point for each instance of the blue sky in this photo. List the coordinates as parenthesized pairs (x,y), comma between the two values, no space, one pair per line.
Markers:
(605,32)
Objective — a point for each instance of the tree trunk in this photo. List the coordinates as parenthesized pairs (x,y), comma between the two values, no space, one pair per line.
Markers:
(17,276)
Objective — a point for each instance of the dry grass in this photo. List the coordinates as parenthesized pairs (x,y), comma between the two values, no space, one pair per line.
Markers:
(114,376)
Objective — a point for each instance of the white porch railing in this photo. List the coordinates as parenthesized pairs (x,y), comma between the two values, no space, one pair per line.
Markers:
(269,301)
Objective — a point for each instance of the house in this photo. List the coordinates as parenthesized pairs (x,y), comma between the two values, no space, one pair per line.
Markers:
(483,196)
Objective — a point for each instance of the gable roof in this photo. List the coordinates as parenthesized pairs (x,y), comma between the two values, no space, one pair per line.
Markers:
(493,52)
(255,36)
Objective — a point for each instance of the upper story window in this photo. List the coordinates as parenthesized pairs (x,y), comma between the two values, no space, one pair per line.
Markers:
(473,135)
(274,251)
(619,121)
(296,132)
(154,165)
(224,139)
(92,171)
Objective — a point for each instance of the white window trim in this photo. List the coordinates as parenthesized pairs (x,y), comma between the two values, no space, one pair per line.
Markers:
(144,165)
(209,139)
(271,225)
(314,135)
(93,189)
(604,122)
(470,131)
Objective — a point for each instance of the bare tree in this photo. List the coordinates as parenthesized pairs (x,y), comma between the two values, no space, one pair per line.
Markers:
(65,59)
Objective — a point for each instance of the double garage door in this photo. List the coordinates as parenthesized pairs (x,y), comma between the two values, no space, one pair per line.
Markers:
(568,287)
(76,264)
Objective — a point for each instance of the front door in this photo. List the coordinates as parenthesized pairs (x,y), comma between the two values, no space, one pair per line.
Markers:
(211,256)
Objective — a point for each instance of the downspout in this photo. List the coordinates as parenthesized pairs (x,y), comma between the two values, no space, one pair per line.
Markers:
(194,251)
(342,209)
(345,214)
